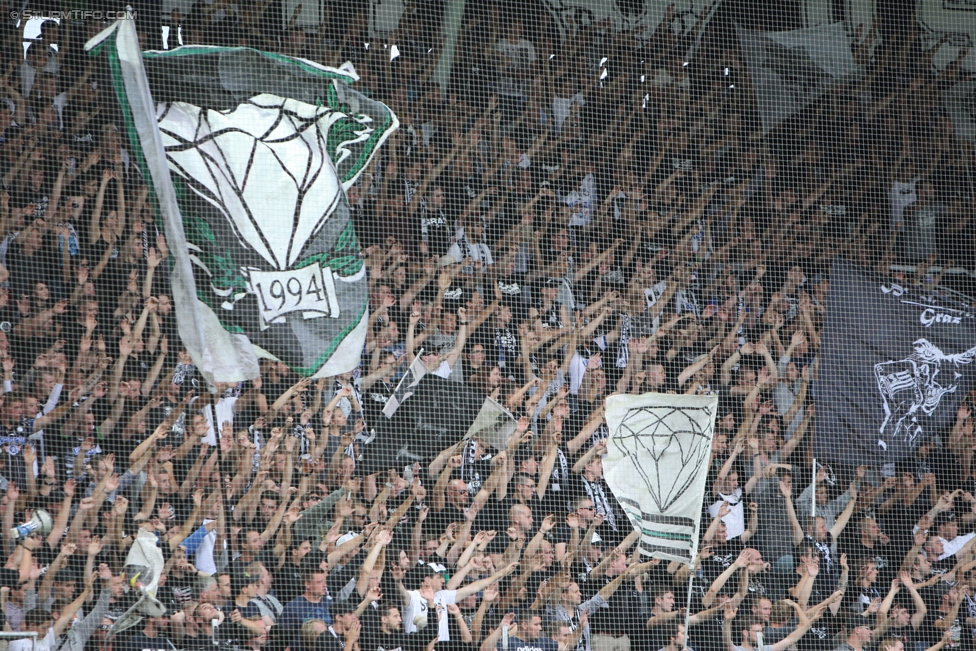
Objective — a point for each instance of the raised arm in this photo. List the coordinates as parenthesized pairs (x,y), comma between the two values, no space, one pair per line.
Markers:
(801,629)
(920,609)
(383,538)
(68,614)
(798,435)
(477,586)
(846,514)
(741,562)
(439,497)
(795,528)
(727,629)
(61,522)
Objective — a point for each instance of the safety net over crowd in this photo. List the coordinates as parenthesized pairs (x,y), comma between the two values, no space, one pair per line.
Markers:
(464,325)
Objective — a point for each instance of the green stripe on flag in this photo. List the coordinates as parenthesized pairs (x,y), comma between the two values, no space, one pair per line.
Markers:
(666,535)
(658,534)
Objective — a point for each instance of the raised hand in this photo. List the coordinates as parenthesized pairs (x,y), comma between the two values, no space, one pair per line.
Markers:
(293,515)
(490,594)
(744,558)
(813,567)
(964,412)
(449,531)
(47,468)
(112,484)
(95,546)
(730,611)
(785,489)
(384,537)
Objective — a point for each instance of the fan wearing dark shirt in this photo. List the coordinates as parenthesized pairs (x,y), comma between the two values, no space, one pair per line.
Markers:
(382,629)
(531,638)
(345,630)
(152,636)
(245,612)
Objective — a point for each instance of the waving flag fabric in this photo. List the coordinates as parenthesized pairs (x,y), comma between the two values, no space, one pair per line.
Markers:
(249,155)
(895,364)
(657,464)
(789,70)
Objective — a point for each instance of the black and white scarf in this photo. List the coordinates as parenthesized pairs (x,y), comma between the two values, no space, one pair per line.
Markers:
(469,471)
(473,251)
(507,346)
(560,477)
(409,189)
(511,289)
(970,609)
(623,354)
(594,490)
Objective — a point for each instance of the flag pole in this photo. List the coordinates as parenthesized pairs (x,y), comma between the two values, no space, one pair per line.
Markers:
(215,395)
(691,581)
(813,502)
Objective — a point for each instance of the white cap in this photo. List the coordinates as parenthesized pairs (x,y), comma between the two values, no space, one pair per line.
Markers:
(346,537)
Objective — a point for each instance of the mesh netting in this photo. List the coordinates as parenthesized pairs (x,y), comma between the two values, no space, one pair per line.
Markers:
(446,325)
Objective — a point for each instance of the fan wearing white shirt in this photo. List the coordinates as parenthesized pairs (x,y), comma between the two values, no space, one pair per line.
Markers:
(439,365)
(428,594)
(40,621)
(948,528)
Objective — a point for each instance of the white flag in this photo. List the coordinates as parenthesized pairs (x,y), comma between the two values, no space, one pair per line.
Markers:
(789,70)
(657,464)
(641,18)
(960,104)
(494,425)
(406,386)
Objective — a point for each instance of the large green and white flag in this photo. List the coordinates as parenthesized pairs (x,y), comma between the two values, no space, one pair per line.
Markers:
(249,155)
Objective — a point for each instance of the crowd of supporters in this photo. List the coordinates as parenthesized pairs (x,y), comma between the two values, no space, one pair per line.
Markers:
(570,219)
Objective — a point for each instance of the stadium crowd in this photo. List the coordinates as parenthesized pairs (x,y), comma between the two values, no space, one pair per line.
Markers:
(570,221)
